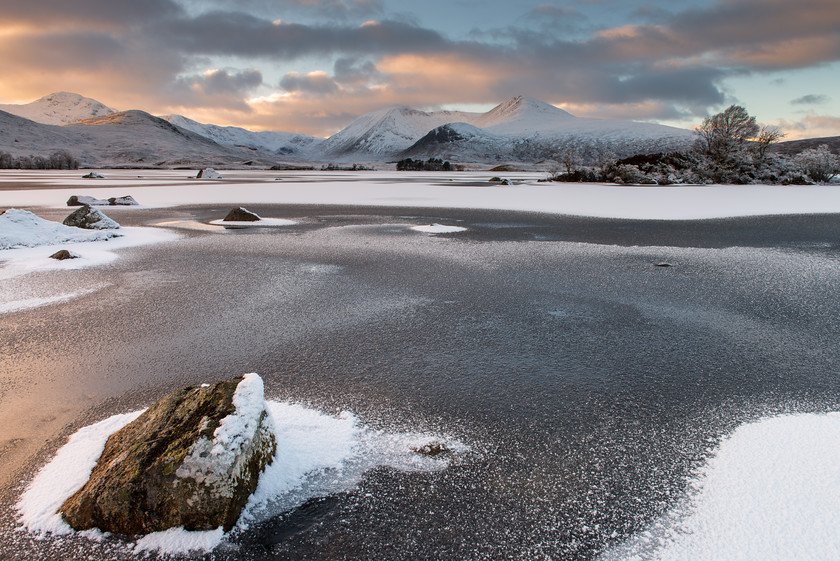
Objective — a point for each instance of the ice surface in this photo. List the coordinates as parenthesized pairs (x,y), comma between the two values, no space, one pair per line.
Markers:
(770,492)
(317,454)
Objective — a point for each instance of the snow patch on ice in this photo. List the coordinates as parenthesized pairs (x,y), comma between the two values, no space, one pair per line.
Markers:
(30,303)
(16,262)
(21,228)
(261,223)
(770,492)
(438,229)
(64,475)
(179,541)
(317,454)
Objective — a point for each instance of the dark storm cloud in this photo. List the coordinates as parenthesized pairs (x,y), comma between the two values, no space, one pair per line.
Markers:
(244,35)
(89,12)
(811,99)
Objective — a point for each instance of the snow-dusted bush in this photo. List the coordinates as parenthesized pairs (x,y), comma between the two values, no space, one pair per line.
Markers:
(819,163)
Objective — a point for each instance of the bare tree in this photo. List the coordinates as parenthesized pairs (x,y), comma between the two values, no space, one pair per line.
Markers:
(767,136)
(725,133)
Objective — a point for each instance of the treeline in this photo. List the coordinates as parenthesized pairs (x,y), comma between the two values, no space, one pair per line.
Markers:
(57,160)
(432,164)
(731,148)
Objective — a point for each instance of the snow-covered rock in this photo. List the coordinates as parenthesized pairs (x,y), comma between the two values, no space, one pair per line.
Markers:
(93,175)
(90,218)
(125,200)
(240,214)
(208,173)
(192,460)
(20,228)
(81,200)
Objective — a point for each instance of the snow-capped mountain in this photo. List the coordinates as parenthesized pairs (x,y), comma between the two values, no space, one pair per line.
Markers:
(59,108)
(282,143)
(520,129)
(386,132)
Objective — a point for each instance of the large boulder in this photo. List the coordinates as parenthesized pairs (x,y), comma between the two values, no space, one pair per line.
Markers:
(208,173)
(90,218)
(192,460)
(81,200)
(240,214)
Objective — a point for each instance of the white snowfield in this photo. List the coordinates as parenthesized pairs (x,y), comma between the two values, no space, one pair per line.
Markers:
(771,492)
(428,190)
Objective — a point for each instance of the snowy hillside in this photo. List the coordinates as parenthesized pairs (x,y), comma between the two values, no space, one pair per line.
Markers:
(60,108)
(129,138)
(282,143)
(520,129)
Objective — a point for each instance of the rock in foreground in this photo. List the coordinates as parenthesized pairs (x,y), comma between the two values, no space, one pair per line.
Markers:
(90,218)
(241,215)
(190,460)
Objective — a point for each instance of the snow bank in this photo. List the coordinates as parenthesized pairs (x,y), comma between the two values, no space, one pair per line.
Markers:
(20,228)
(771,492)
(317,454)
(429,190)
(438,229)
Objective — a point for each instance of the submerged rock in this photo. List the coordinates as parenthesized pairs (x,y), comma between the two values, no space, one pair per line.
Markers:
(125,200)
(208,173)
(241,215)
(63,254)
(81,200)
(90,218)
(192,460)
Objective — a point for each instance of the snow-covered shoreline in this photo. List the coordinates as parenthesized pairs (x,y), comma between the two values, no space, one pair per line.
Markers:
(162,189)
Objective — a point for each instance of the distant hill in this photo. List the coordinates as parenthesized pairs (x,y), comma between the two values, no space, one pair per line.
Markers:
(287,144)
(124,139)
(59,108)
(796,146)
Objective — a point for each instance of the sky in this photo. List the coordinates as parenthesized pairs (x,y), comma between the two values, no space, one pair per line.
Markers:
(312,66)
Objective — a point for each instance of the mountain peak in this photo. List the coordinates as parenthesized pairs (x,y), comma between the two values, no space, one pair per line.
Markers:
(59,108)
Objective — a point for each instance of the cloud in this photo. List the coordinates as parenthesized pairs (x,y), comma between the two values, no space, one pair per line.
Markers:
(150,55)
(316,83)
(811,99)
